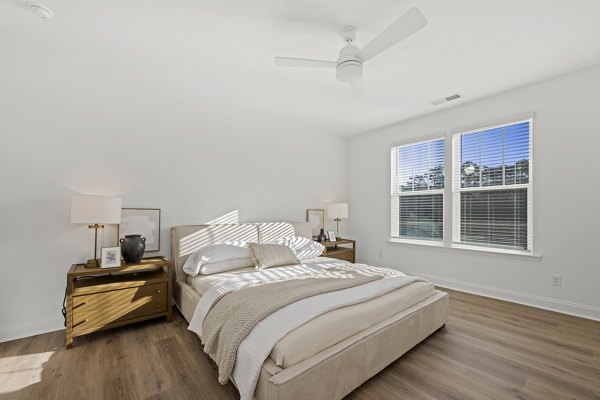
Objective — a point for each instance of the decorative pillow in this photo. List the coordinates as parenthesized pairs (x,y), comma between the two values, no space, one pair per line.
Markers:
(215,253)
(304,248)
(272,255)
(226,265)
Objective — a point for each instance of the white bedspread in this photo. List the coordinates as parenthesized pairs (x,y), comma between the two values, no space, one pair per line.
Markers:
(255,349)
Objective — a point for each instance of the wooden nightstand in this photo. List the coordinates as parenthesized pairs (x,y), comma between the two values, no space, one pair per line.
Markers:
(339,249)
(103,298)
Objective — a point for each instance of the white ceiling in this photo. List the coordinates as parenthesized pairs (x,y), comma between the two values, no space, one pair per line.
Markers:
(221,52)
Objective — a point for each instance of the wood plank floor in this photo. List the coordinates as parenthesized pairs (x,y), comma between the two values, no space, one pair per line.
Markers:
(488,350)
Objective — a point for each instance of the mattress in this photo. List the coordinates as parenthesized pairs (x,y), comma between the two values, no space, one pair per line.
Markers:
(331,327)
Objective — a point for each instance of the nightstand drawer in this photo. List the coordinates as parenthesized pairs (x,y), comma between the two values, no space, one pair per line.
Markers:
(115,306)
(100,318)
(113,297)
(340,249)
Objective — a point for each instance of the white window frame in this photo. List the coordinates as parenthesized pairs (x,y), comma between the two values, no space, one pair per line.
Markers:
(396,194)
(457,190)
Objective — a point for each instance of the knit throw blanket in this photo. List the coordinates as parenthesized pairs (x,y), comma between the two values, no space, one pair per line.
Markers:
(233,316)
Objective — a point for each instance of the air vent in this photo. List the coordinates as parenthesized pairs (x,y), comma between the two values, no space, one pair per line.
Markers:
(446,99)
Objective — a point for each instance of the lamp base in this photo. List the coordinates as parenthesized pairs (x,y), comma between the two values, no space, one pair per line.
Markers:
(98,230)
(93,263)
(337,229)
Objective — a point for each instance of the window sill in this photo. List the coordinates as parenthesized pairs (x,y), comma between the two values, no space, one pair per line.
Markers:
(433,243)
(458,248)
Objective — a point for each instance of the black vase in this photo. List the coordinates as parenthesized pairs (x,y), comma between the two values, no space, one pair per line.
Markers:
(132,248)
(322,237)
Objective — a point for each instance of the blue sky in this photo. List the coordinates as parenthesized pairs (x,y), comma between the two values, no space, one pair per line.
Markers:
(418,159)
(485,147)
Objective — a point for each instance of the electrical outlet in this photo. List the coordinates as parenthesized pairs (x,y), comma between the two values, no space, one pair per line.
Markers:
(556,280)
(381,254)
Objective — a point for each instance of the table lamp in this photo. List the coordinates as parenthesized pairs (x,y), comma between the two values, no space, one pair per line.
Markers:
(337,211)
(95,211)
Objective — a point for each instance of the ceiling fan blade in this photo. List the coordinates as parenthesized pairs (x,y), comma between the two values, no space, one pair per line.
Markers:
(303,62)
(359,89)
(412,21)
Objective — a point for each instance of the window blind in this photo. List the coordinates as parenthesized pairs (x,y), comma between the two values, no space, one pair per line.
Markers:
(492,187)
(417,195)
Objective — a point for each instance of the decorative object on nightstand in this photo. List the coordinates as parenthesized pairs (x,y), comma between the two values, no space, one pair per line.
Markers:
(111,257)
(322,237)
(337,211)
(331,235)
(339,249)
(99,299)
(132,248)
(95,211)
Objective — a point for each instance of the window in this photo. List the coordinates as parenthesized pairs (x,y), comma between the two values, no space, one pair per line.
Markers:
(492,187)
(418,191)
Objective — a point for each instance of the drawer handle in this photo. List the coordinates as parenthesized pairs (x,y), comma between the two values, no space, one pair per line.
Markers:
(85,302)
(158,291)
(158,306)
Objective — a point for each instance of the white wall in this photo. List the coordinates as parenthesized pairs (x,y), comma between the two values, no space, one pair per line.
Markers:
(565,214)
(70,126)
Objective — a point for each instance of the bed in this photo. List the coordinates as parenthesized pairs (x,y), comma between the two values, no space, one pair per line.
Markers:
(312,361)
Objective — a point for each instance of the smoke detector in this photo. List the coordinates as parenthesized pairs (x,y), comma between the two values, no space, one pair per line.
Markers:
(41,11)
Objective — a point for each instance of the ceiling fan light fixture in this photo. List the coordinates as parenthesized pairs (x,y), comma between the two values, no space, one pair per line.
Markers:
(349,71)
(350,60)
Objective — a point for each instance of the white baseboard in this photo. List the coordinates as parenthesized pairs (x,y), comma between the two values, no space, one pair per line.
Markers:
(561,306)
(30,329)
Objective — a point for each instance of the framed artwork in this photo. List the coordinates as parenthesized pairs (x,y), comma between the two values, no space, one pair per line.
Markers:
(317,221)
(142,221)
(111,257)
(331,235)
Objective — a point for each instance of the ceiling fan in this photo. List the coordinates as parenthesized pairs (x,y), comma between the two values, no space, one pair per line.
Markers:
(349,64)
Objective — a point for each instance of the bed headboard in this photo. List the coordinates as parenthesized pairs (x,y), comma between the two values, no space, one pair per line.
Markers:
(188,238)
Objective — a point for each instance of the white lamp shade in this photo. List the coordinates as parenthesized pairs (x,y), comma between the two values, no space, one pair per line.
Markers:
(337,210)
(95,210)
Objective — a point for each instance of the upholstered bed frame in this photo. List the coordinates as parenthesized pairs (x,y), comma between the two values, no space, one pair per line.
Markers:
(336,371)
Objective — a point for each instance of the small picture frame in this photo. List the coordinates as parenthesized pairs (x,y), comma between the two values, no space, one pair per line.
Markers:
(331,235)
(316,218)
(111,257)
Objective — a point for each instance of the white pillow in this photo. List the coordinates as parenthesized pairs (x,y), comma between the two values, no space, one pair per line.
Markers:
(215,253)
(226,265)
(272,255)
(304,248)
